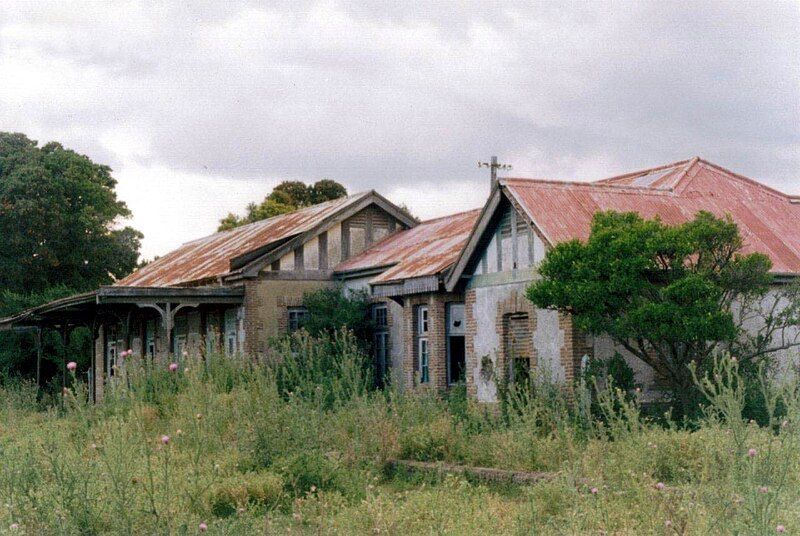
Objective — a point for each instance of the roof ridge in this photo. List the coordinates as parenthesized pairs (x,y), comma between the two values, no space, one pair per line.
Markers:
(746,179)
(647,171)
(277,216)
(589,184)
(459,213)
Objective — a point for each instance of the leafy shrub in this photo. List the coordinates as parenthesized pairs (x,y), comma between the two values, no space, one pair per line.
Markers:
(327,370)
(238,491)
(310,469)
(331,310)
(433,441)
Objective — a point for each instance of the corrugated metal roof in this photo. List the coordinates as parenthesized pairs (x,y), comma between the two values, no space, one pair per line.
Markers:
(768,220)
(427,249)
(208,258)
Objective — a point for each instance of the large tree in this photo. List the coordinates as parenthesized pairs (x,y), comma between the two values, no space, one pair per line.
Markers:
(286,197)
(670,295)
(59,219)
(60,233)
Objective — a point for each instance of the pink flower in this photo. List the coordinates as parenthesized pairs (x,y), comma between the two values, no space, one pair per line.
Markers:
(780,529)
(668,523)
(165,439)
(14,526)
(71,366)
(594,491)
(203,527)
(660,486)
(173,367)
(752,453)
(763,489)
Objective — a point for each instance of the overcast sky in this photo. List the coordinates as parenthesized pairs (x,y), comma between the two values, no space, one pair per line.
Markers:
(204,106)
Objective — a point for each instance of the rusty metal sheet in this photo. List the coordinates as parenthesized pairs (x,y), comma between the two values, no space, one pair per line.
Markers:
(768,220)
(427,249)
(208,258)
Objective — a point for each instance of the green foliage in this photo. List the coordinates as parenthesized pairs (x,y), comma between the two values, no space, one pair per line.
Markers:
(245,457)
(242,490)
(331,309)
(286,197)
(328,370)
(58,219)
(665,293)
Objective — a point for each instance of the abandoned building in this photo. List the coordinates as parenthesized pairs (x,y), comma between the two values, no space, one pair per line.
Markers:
(448,294)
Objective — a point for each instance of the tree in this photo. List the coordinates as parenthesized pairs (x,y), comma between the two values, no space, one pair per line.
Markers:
(59,219)
(59,234)
(670,295)
(286,197)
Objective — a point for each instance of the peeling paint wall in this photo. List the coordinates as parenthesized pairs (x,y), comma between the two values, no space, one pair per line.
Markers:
(487,305)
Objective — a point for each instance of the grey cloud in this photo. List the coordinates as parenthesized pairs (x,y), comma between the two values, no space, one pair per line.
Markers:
(378,94)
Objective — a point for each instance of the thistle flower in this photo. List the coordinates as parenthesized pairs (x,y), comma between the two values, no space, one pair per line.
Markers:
(752,453)
(13,526)
(594,491)
(203,527)
(763,489)
(660,486)
(668,523)
(780,529)
(165,439)
(173,367)
(71,366)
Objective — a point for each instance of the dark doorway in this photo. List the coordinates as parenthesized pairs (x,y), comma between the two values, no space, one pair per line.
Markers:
(456,344)
(457,359)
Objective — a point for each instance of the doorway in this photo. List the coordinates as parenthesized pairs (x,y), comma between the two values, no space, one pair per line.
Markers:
(456,344)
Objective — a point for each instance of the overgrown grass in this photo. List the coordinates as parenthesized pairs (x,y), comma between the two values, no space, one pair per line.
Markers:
(300,446)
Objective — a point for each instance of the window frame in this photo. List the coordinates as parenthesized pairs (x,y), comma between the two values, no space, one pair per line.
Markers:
(295,317)
(423,320)
(424,360)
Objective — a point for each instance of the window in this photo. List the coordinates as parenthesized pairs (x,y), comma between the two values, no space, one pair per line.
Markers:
(150,338)
(422,315)
(380,342)
(424,367)
(423,360)
(231,324)
(297,315)
(380,316)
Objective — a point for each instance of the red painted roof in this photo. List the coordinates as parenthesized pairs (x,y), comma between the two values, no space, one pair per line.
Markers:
(768,220)
(425,250)
(208,258)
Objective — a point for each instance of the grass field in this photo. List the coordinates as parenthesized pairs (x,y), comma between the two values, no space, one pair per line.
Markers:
(226,447)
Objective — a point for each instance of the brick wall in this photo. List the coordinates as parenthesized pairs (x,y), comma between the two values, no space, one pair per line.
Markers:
(437,338)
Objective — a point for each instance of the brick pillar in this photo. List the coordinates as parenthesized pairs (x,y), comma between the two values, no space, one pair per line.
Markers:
(576,345)
(254,345)
(471,358)
(437,343)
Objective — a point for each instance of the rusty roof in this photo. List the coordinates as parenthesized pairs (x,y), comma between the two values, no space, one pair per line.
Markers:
(208,258)
(768,220)
(425,250)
